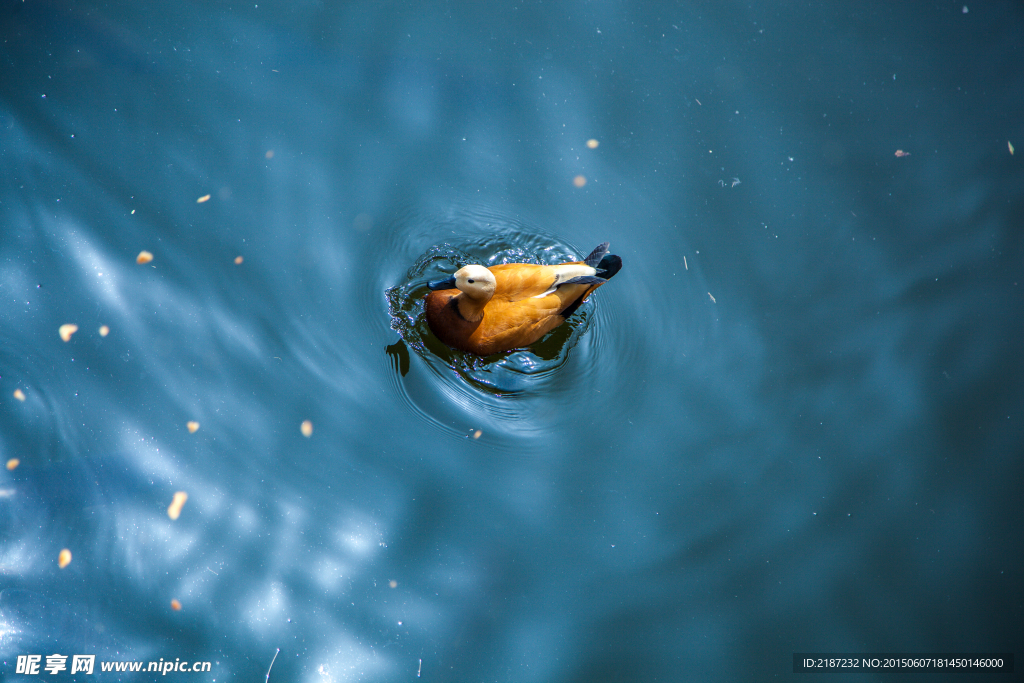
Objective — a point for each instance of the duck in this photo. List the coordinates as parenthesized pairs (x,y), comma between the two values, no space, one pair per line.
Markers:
(488,310)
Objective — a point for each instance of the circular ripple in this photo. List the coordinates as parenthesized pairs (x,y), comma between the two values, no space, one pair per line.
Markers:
(503,389)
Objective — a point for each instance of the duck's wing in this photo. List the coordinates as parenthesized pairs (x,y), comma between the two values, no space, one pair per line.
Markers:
(515,324)
(518,281)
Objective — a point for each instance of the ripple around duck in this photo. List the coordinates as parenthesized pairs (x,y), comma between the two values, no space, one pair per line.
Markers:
(504,389)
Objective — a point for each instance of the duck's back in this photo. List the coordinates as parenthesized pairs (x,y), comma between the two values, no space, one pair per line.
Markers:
(516,281)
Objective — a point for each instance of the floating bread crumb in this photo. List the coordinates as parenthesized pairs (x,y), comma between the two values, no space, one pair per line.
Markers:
(579,181)
(64,559)
(144,257)
(13,463)
(104,330)
(592,143)
(19,394)
(175,605)
(174,509)
(306,428)
(204,198)
(193,426)
(67,330)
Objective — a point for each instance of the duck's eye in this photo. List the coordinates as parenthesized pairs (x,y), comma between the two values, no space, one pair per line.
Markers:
(469,281)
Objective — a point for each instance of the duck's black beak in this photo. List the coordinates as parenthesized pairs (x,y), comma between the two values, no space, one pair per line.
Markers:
(442,284)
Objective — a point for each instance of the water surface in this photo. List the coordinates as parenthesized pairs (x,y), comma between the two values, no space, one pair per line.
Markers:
(791,423)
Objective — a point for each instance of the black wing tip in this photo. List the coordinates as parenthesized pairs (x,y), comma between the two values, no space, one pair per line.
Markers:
(596,255)
(585,280)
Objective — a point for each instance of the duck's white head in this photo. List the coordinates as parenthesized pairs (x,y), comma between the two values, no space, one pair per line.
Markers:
(476,282)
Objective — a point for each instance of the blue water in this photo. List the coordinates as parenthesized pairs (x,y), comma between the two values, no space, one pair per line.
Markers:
(794,421)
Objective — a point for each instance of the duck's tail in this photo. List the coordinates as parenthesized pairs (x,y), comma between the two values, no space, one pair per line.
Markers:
(606,264)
